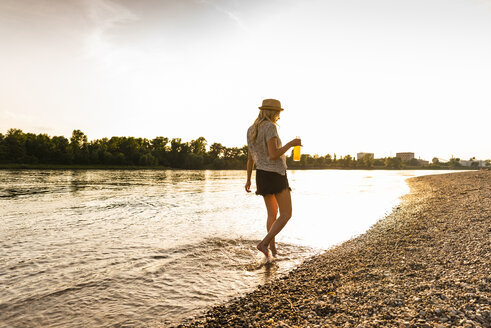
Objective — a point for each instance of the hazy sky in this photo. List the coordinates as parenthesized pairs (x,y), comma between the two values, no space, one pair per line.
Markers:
(353,75)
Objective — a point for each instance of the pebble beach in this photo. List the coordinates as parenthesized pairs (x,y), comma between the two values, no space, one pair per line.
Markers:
(427,264)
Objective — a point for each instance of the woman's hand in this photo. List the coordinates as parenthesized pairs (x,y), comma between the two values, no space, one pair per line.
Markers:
(295,142)
(275,152)
(248,186)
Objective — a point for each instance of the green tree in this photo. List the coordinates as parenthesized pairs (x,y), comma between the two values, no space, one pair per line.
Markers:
(198,146)
(454,162)
(3,149)
(60,147)
(147,159)
(160,144)
(328,159)
(15,144)
(79,147)
(320,161)
(216,150)
(413,162)
(130,147)
(31,149)
(160,150)
(393,162)
(43,149)
(378,162)
(176,145)
(193,161)
(78,139)
(178,152)
(367,161)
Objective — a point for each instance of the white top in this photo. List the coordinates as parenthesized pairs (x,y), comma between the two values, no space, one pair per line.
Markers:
(259,149)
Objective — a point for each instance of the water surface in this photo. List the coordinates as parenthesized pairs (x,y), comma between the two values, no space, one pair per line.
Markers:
(148,248)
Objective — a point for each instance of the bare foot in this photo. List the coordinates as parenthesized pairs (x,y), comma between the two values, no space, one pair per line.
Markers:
(274,251)
(263,249)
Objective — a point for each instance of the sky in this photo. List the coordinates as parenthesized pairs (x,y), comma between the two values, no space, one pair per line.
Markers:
(380,76)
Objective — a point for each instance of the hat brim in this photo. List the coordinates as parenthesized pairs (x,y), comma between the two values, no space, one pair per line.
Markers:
(271,108)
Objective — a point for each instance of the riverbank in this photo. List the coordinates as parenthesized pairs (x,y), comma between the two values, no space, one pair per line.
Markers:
(425,265)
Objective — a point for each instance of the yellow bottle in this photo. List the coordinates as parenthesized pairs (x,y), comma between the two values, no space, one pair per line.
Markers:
(296,152)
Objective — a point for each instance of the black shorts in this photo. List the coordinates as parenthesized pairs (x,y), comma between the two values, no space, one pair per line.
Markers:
(268,183)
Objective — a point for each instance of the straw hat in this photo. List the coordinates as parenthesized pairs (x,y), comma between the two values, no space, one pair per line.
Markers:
(271,104)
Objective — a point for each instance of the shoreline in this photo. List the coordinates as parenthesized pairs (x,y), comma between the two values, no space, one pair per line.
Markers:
(424,265)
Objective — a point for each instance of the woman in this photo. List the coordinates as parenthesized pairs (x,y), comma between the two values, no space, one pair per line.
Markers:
(266,151)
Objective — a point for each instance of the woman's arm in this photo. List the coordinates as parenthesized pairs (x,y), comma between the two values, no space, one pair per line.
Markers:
(275,152)
(250,165)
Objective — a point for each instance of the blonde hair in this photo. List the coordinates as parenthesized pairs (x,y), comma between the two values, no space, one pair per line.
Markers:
(264,115)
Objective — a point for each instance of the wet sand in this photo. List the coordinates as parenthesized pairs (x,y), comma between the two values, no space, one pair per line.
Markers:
(428,264)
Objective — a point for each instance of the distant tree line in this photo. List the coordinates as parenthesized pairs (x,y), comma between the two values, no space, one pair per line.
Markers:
(28,148)
(17,147)
(343,162)
(454,163)
(368,162)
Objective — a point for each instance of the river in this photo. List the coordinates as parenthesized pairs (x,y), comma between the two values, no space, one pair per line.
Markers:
(100,248)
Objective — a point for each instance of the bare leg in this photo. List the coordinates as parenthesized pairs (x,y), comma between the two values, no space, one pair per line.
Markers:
(285,206)
(272,207)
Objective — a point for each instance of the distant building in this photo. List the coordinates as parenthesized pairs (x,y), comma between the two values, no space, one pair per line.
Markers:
(405,156)
(361,155)
(479,163)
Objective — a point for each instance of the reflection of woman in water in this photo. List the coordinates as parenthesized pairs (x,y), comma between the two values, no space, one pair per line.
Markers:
(266,151)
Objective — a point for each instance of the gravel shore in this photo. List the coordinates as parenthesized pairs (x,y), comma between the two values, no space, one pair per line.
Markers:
(428,264)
